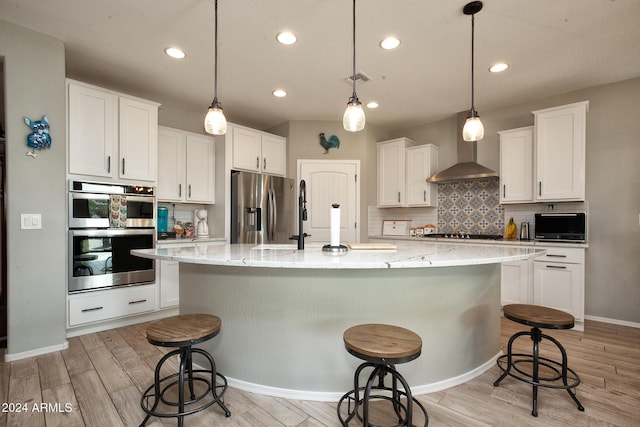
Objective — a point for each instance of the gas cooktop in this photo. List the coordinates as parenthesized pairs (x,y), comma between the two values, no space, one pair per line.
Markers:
(465,236)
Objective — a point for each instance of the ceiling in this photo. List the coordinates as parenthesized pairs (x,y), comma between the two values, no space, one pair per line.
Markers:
(552,46)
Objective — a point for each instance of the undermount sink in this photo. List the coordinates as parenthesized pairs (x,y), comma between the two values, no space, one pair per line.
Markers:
(275,246)
(284,246)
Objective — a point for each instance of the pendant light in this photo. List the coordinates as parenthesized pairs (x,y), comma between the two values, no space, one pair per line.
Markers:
(353,119)
(473,129)
(214,122)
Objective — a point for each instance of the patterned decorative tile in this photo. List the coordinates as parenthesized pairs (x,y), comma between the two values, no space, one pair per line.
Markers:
(471,206)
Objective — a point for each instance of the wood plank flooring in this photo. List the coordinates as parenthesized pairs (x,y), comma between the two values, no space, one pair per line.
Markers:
(98,381)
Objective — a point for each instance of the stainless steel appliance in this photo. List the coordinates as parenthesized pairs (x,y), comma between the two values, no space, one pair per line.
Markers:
(89,204)
(262,208)
(99,256)
(561,227)
(524,231)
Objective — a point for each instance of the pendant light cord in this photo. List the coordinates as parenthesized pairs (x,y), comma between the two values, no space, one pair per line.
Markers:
(354,51)
(215,55)
(473,20)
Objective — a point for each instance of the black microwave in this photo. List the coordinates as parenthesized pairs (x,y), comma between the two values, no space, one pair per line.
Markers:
(561,227)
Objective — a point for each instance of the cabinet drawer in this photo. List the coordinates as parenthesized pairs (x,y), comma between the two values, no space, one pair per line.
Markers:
(563,255)
(110,304)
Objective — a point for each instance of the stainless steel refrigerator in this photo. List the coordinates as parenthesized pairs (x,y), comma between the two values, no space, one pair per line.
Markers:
(263,208)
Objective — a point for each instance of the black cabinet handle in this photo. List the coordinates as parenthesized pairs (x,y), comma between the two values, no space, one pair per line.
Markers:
(108,164)
(560,267)
(257,162)
(123,166)
(556,256)
(92,309)
(137,301)
(179,190)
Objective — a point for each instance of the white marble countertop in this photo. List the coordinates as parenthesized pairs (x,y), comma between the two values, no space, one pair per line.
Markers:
(527,243)
(407,255)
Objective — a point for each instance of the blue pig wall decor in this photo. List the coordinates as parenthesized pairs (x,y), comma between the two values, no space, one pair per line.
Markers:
(39,137)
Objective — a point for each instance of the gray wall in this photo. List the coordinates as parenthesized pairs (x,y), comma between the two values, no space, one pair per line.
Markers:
(304,143)
(35,86)
(612,186)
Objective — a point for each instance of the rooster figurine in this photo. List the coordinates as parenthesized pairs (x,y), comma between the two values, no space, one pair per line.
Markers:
(333,142)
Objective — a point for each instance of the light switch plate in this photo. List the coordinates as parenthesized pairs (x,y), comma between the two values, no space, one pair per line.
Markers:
(30,221)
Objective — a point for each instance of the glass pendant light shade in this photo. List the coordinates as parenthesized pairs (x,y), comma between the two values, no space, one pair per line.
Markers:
(473,129)
(214,122)
(353,119)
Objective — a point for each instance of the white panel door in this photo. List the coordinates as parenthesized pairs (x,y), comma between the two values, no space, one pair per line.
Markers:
(330,182)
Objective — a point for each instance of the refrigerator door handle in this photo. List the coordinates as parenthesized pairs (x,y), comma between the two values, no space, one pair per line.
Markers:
(271,211)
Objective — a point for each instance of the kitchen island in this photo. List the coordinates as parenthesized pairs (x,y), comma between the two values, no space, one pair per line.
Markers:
(284,311)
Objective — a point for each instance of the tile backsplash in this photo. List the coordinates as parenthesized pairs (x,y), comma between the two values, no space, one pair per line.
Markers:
(470,206)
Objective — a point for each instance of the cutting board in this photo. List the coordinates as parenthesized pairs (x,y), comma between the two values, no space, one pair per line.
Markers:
(371,246)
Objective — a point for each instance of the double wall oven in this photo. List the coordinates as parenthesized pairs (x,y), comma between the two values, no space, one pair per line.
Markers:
(107,221)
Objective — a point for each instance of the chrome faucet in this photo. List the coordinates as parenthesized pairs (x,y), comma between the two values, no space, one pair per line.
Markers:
(302,215)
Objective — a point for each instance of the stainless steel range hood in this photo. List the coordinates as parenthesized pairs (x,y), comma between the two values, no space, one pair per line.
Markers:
(467,167)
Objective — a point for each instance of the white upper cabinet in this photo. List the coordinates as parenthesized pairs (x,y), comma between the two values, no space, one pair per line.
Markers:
(111,135)
(421,162)
(545,163)
(138,143)
(186,164)
(391,172)
(93,129)
(516,165)
(200,169)
(560,152)
(403,169)
(257,151)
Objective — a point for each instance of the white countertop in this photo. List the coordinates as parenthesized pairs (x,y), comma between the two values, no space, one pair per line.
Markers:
(407,255)
(526,243)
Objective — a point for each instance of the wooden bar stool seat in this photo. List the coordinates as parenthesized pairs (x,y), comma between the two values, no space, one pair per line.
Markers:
(165,398)
(381,347)
(512,364)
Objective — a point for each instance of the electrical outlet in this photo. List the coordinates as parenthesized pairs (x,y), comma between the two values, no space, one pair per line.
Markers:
(30,221)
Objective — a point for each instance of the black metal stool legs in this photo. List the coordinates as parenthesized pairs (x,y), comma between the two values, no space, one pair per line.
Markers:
(372,391)
(156,392)
(561,370)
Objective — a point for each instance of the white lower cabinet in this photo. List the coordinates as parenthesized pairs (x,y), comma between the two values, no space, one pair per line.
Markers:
(169,283)
(516,278)
(554,280)
(111,304)
(559,280)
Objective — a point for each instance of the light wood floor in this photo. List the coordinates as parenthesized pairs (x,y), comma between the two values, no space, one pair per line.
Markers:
(101,376)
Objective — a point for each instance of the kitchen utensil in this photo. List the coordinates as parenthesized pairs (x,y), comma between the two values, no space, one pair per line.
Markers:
(524,231)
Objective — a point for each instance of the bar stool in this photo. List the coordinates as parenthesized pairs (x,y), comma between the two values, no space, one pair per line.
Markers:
(381,347)
(538,317)
(182,332)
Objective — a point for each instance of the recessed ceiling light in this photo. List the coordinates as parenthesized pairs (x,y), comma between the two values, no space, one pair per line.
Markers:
(175,52)
(280,93)
(372,104)
(390,43)
(286,37)
(499,67)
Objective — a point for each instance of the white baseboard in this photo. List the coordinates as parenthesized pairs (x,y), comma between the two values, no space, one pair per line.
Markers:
(613,321)
(126,321)
(331,396)
(10,357)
